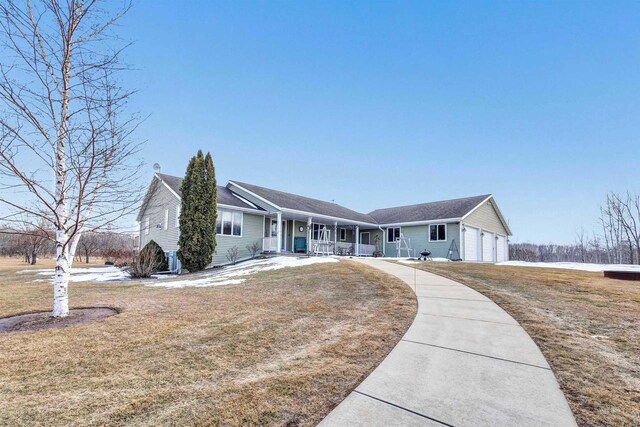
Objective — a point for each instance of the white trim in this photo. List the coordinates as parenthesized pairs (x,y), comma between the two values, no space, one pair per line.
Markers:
(431,221)
(238,208)
(253,194)
(334,218)
(445,232)
(351,221)
(178,209)
(496,208)
(166,219)
(386,235)
(219,218)
(477,206)
(460,242)
(279,232)
(243,200)
(167,185)
(224,206)
(319,228)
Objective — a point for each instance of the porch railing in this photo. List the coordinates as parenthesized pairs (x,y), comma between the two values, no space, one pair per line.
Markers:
(344,248)
(366,250)
(269,244)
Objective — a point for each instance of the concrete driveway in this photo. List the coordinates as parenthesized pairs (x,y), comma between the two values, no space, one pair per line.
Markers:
(463,362)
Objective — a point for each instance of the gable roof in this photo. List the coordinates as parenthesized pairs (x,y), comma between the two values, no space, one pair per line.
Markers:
(455,209)
(444,209)
(304,204)
(225,196)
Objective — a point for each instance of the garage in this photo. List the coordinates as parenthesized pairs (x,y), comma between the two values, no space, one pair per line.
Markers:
(487,246)
(501,248)
(471,243)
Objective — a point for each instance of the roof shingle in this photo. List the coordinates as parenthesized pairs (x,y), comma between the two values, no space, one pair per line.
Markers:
(306,204)
(445,209)
(225,196)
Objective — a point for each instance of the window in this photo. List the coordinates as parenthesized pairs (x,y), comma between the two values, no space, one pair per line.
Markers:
(146,225)
(365,238)
(437,232)
(229,223)
(166,219)
(343,234)
(393,234)
(317,232)
(177,216)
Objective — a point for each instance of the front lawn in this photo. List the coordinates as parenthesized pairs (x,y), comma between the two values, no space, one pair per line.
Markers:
(588,328)
(283,348)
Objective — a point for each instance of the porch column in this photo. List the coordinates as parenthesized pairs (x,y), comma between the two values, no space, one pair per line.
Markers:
(309,221)
(335,237)
(357,239)
(279,232)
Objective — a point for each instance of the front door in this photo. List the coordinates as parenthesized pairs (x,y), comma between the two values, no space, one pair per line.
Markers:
(284,236)
(274,234)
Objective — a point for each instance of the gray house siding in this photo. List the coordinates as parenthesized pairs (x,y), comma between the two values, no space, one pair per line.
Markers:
(486,218)
(419,235)
(160,200)
(251,233)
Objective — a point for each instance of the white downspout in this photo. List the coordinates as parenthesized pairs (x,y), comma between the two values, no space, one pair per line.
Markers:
(264,220)
(382,241)
(461,241)
(279,232)
(335,237)
(357,240)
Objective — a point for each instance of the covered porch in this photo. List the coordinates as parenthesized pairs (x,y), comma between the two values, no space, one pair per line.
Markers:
(295,233)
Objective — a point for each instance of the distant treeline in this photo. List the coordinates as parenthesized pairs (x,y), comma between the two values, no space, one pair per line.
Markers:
(36,242)
(617,241)
(593,252)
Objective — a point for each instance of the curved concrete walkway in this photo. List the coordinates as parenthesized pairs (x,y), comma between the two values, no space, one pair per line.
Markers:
(463,362)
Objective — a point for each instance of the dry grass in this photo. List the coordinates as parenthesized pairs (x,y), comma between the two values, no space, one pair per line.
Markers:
(282,349)
(588,328)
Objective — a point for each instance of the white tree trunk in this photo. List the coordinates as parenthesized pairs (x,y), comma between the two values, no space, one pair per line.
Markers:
(61,278)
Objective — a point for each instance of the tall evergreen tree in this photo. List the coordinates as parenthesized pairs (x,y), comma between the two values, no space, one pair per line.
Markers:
(198,213)
(212,197)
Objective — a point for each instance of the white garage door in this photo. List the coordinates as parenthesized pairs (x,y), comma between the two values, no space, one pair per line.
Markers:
(501,248)
(487,246)
(471,243)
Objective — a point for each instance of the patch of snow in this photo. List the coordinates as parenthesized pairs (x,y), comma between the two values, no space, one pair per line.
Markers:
(230,275)
(573,266)
(87,274)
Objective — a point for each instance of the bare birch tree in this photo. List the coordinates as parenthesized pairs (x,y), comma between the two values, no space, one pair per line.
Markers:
(626,211)
(67,158)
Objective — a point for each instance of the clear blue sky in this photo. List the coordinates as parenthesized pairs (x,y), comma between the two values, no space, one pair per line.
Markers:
(377,104)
